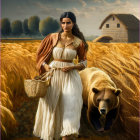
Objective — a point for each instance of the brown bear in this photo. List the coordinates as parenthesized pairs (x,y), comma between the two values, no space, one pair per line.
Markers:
(101,97)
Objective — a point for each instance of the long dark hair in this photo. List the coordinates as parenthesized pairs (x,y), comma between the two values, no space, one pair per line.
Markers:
(75,29)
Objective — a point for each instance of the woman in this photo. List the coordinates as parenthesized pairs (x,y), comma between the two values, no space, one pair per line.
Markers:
(58,113)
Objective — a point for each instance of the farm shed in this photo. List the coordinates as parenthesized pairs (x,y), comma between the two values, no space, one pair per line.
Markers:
(121,27)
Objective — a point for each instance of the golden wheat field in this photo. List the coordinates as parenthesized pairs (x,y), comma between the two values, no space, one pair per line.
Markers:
(121,61)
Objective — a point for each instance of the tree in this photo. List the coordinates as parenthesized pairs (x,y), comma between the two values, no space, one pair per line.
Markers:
(16,27)
(33,24)
(5,26)
(48,25)
(25,27)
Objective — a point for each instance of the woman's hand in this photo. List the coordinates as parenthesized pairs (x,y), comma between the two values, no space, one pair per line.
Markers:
(68,68)
(47,67)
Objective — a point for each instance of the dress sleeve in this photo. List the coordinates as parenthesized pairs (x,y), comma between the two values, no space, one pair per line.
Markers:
(81,52)
(43,53)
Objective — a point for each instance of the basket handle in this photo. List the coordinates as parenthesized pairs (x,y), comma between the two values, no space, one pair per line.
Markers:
(44,75)
(47,73)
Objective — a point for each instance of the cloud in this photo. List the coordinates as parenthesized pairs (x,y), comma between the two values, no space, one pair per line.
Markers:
(118,2)
(126,7)
(48,10)
(79,13)
(84,4)
(118,6)
(84,12)
(87,11)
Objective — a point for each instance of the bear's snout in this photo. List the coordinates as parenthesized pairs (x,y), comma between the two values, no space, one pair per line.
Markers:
(103,111)
(103,108)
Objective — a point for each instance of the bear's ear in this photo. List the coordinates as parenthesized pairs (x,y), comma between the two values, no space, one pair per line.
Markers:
(118,91)
(95,90)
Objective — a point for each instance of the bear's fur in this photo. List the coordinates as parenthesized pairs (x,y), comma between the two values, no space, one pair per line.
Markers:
(121,62)
(100,95)
(98,87)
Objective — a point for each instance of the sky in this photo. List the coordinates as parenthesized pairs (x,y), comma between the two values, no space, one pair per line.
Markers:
(89,13)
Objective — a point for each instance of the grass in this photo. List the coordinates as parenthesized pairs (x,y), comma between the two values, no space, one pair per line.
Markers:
(120,60)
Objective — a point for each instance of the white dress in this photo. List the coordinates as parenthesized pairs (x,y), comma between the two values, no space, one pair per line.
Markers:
(58,113)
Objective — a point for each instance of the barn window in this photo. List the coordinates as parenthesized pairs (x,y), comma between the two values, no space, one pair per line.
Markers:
(107,25)
(118,25)
(113,18)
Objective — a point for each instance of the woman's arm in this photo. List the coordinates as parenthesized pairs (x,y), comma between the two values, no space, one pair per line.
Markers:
(68,68)
(81,52)
(44,52)
(46,66)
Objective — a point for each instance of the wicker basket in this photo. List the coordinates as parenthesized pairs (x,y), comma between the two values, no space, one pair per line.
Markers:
(37,87)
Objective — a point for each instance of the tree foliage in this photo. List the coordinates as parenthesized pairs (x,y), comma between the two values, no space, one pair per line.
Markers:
(33,24)
(48,25)
(25,27)
(16,27)
(5,26)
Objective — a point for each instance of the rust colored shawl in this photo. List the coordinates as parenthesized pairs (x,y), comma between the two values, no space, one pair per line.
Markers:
(44,52)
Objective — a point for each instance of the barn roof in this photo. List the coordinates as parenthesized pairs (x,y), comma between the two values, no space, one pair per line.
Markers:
(130,21)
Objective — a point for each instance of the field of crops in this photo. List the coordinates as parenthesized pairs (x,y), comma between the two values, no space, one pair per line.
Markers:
(120,60)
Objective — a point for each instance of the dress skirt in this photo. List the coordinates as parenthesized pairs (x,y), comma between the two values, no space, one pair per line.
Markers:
(58,113)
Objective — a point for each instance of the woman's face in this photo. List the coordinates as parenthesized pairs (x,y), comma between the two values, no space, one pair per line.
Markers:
(66,24)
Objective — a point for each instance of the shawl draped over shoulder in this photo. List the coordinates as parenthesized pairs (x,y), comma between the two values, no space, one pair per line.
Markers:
(44,51)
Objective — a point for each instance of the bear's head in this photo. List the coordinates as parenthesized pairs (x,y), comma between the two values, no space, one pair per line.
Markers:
(103,105)
(106,99)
